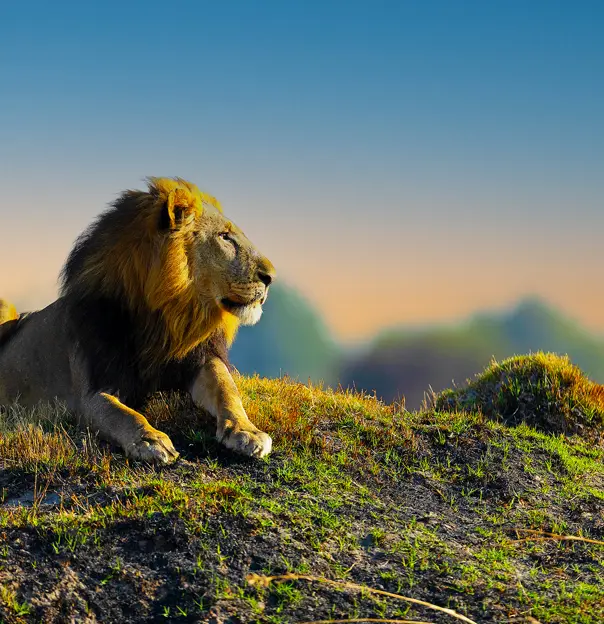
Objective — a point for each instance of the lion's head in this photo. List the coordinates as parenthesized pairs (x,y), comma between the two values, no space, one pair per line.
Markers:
(170,251)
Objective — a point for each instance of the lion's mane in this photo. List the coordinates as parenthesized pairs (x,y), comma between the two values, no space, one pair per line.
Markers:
(131,300)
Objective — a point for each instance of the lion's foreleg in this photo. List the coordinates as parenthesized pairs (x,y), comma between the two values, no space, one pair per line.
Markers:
(118,423)
(215,391)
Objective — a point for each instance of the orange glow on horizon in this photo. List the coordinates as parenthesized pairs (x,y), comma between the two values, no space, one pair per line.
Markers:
(359,293)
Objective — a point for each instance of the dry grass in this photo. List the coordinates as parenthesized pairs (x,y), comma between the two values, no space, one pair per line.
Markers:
(265,581)
(376,620)
(45,436)
(544,536)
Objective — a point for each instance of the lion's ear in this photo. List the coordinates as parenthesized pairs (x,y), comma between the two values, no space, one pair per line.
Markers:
(176,212)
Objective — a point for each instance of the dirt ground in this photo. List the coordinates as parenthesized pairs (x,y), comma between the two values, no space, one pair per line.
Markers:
(433,506)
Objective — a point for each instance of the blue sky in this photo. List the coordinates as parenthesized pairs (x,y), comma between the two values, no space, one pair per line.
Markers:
(374,150)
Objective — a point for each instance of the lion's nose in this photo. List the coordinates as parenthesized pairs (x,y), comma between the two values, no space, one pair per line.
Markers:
(265,277)
(266,271)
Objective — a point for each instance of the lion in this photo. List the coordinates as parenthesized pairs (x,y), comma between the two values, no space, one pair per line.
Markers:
(151,297)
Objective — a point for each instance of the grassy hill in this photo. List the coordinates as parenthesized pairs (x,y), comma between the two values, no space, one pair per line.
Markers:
(475,511)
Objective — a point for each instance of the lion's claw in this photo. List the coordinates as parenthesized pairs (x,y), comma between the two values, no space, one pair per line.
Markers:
(253,443)
(154,447)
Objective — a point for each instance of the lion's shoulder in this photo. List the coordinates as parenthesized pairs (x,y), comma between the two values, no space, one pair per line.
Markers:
(9,329)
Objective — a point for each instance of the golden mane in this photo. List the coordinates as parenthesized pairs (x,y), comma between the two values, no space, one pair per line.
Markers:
(125,256)
(8,312)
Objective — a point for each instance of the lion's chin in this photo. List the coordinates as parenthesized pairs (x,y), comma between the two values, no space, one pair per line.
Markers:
(247,314)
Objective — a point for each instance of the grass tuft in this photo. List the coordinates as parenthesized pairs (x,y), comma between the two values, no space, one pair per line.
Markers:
(543,390)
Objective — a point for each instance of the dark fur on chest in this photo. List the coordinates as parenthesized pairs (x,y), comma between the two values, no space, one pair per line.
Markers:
(110,339)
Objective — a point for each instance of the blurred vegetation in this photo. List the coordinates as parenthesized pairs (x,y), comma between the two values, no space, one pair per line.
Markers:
(409,362)
(292,340)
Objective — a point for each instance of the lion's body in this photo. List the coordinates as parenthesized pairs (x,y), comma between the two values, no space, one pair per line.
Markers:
(152,295)
(47,337)
(30,344)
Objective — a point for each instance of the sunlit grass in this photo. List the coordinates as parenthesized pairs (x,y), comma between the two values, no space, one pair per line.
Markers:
(543,390)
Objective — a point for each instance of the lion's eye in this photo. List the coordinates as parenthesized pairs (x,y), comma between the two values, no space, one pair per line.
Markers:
(226,236)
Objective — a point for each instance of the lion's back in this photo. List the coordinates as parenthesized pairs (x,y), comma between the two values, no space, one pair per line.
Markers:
(34,357)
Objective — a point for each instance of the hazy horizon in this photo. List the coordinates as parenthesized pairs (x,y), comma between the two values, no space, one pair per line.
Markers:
(400,163)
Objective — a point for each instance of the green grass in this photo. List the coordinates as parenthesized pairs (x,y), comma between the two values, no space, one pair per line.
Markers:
(423,504)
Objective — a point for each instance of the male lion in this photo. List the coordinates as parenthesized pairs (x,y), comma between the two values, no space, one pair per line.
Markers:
(151,297)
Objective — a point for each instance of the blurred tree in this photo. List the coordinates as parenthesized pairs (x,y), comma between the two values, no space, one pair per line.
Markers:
(289,339)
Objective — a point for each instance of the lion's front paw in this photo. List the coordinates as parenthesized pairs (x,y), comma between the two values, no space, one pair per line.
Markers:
(253,442)
(153,446)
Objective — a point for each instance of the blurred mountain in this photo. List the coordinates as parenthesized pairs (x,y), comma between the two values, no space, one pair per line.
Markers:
(407,363)
(290,339)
